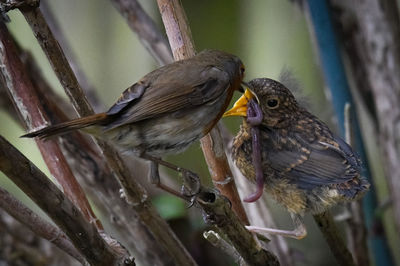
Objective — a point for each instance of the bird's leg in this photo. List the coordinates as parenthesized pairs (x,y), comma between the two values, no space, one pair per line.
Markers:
(254,117)
(191,181)
(299,232)
(154,177)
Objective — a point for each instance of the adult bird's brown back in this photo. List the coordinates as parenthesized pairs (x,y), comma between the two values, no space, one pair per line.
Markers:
(166,110)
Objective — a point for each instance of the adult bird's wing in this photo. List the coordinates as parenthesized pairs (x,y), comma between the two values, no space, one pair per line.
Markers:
(323,164)
(151,97)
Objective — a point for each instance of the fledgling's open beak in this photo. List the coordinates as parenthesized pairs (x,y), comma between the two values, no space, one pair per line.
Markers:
(240,106)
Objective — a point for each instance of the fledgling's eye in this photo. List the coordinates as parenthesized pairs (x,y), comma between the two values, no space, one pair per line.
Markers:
(272,103)
(242,69)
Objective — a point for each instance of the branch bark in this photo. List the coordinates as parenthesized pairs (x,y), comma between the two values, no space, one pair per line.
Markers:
(20,246)
(62,211)
(219,213)
(371,32)
(38,225)
(146,30)
(180,39)
(333,238)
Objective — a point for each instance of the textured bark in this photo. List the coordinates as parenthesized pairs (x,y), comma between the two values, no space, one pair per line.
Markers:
(50,199)
(370,30)
(334,239)
(39,226)
(145,28)
(21,247)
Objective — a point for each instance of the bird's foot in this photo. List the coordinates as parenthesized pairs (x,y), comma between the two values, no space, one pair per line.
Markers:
(299,232)
(191,183)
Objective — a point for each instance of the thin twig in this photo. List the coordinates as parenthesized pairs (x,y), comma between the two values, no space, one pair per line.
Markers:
(50,199)
(356,230)
(334,239)
(219,213)
(90,91)
(145,28)
(180,39)
(38,225)
(332,236)
(217,241)
(57,59)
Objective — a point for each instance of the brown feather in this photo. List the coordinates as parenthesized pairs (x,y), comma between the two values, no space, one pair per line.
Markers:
(65,127)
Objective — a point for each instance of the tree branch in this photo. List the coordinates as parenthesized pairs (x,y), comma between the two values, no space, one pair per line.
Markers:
(333,238)
(180,39)
(146,30)
(90,91)
(219,213)
(50,199)
(371,32)
(38,225)
(20,246)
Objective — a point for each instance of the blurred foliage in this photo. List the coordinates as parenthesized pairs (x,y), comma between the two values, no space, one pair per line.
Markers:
(266,35)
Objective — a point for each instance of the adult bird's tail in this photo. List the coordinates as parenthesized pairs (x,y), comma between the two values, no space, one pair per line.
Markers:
(65,127)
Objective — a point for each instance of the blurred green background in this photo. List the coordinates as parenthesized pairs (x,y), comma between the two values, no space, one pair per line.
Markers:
(267,35)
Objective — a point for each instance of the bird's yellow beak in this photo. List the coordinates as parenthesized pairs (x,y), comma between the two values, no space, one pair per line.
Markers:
(240,106)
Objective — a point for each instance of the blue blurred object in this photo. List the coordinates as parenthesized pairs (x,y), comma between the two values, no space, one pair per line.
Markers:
(335,78)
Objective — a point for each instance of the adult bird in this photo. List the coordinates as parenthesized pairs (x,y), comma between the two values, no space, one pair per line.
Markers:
(302,164)
(166,110)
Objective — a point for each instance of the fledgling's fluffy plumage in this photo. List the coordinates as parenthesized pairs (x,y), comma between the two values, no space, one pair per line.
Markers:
(305,166)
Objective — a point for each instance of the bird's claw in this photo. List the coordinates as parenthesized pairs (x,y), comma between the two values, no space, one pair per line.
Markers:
(191,183)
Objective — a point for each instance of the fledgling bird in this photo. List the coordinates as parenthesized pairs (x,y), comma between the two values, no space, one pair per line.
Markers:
(165,111)
(305,167)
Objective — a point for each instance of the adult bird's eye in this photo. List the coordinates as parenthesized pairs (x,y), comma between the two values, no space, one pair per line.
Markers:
(272,103)
(242,70)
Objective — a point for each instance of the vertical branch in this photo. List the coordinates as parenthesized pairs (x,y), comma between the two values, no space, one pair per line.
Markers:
(57,59)
(333,238)
(372,38)
(335,77)
(177,28)
(356,230)
(145,28)
(180,39)
(80,75)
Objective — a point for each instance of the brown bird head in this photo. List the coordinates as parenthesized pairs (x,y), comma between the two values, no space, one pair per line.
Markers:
(231,64)
(277,103)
